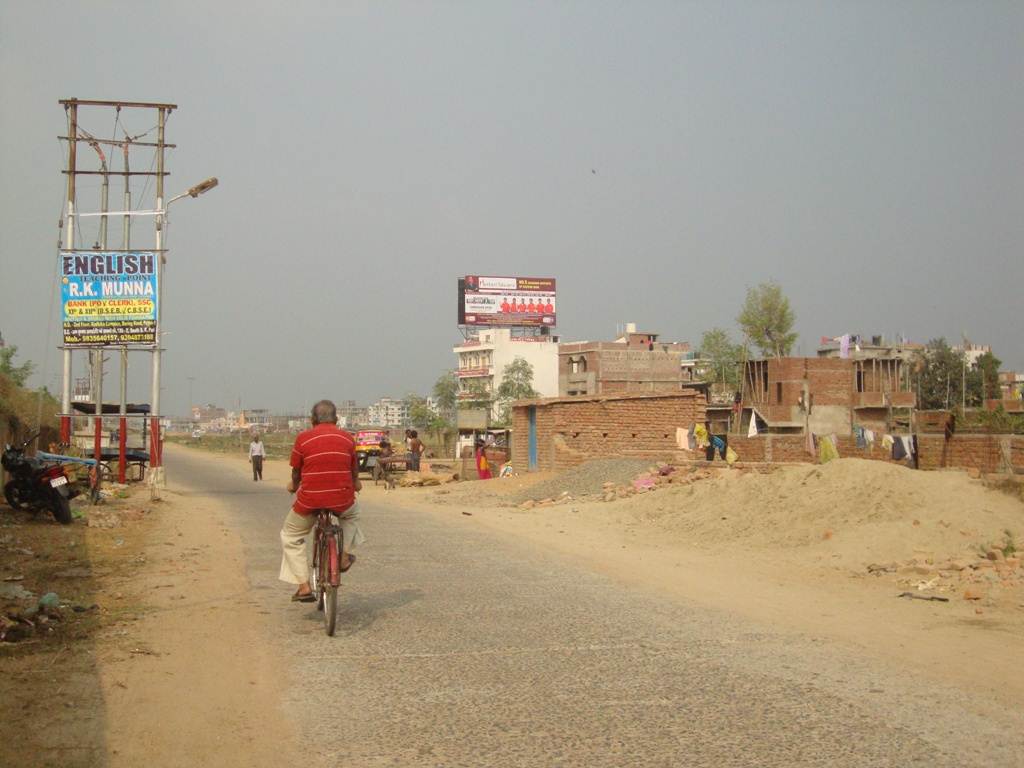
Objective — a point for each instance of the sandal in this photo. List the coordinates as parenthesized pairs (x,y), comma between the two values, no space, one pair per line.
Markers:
(351,562)
(308,597)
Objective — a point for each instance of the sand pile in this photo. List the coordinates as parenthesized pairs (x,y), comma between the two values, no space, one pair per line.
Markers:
(856,510)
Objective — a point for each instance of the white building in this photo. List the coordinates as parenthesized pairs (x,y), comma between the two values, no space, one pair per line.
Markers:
(388,412)
(484,357)
(972,351)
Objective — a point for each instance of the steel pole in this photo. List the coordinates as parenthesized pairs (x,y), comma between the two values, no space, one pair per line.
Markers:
(69,242)
(98,413)
(155,459)
(122,425)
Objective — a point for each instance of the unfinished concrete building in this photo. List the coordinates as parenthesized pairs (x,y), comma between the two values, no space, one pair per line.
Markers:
(826,395)
(635,363)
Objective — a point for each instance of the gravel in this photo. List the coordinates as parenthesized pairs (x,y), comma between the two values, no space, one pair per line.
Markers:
(585,479)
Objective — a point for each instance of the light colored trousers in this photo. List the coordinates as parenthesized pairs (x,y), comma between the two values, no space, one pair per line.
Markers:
(294,560)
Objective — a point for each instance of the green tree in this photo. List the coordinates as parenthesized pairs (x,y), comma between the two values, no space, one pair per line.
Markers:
(446,392)
(942,374)
(767,320)
(516,384)
(988,367)
(17,373)
(476,395)
(517,381)
(420,413)
(724,358)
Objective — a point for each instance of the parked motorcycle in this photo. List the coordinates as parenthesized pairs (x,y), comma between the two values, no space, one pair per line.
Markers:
(37,485)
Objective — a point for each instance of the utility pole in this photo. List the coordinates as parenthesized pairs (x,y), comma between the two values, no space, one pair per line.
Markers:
(156,463)
(94,275)
(963,385)
(122,421)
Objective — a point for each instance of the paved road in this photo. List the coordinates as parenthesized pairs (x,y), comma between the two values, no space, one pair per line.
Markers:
(462,647)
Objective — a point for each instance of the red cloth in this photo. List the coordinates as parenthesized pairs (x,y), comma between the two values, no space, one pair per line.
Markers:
(326,457)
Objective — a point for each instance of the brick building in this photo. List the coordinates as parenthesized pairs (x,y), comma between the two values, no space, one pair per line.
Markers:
(634,363)
(827,394)
(561,432)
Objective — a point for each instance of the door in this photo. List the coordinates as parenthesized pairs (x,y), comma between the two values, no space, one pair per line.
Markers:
(533,437)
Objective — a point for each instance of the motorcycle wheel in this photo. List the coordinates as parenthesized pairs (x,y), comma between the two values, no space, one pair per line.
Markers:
(61,509)
(13,495)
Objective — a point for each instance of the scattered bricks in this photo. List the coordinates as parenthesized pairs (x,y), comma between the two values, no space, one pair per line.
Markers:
(974,473)
(528,504)
(1013,563)
(959,565)
(974,592)
(916,569)
(882,568)
(609,496)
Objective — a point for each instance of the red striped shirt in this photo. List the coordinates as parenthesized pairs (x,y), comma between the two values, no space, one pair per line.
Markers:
(326,457)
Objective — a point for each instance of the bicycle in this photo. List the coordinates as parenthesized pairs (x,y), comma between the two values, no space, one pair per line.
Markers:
(325,567)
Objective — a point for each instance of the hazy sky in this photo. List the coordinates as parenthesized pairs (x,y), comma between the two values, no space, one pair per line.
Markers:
(865,155)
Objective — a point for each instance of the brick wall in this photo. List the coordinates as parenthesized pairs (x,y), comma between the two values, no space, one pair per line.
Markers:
(572,431)
(830,381)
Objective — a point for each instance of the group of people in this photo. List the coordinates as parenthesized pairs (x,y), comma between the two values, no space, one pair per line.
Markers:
(510,307)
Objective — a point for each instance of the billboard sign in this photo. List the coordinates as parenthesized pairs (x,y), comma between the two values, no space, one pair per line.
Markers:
(507,301)
(109,298)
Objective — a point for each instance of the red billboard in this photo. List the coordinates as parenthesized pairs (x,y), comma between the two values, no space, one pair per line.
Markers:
(507,301)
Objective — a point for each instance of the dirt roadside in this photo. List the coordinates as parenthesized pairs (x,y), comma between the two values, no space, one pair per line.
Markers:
(168,669)
(730,554)
(812,589)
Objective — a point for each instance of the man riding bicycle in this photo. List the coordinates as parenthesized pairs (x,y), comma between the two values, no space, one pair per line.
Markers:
(325,475)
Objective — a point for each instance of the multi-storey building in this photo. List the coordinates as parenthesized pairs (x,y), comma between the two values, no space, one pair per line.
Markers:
(482,359)
(388,412)
(827,394)
(635,363)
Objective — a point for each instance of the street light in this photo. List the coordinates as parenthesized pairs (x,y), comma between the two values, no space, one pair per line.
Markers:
(199,189)
(156,460)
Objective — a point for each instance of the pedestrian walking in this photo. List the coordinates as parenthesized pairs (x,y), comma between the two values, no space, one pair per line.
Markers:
(257,452)
(416,449)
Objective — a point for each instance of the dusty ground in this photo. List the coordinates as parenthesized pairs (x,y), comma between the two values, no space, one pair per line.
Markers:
(819,552)
(119,683)
(793,548)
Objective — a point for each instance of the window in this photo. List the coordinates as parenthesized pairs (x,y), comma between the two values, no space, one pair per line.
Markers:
(860,380)
(778,392)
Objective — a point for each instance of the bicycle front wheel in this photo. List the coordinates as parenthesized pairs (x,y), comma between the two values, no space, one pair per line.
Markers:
(330,601)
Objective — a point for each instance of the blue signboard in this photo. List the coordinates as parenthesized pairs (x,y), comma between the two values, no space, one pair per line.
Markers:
(109,298)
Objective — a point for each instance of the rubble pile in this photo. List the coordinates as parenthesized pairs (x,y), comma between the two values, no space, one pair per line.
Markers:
(975,577)
(654,477)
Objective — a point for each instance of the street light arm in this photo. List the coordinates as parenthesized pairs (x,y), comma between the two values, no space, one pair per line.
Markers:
(199,189)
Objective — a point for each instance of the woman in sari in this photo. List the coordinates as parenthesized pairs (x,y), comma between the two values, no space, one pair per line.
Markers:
(483,469)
